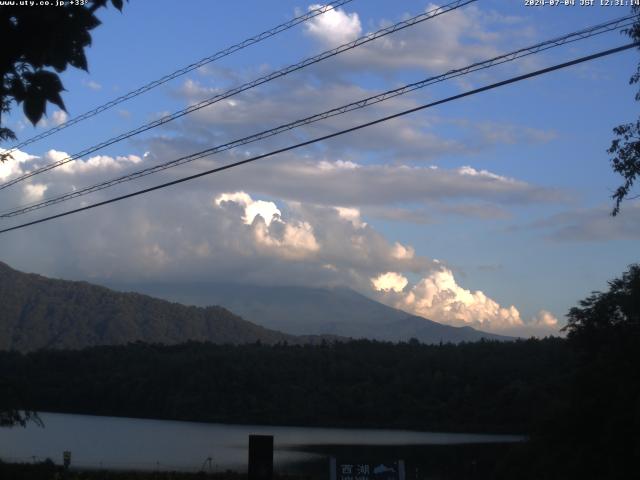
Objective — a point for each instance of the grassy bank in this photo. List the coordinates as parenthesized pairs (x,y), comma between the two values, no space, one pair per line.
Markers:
(47,470)
(422,462)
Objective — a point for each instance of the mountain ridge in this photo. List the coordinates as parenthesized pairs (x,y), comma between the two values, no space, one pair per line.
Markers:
(300,310)
(38,312)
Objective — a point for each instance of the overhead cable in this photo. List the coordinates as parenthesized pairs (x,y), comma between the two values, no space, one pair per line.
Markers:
(182,71)
(264,79)
(362,103)
(328,136)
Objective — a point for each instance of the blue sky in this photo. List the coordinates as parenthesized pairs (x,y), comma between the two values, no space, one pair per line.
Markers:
(457,213)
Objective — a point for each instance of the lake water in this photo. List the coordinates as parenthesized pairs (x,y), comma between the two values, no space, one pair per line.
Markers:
(127,443)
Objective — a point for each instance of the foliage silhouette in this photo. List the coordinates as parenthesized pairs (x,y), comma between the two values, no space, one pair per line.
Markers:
(13,406)
(593,433)
(625,149)
(36,39)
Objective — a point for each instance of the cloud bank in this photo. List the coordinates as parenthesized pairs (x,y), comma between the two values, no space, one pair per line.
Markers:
(232,235)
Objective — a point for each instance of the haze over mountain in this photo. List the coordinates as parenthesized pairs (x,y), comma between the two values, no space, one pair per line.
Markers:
(316,311)
(38,312)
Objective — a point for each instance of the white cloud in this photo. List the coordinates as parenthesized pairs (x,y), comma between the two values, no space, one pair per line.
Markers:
(421,137)
(202,234)
(352,215)
(34,191)
(59,117)
(402,252)
(337,165)
(289,239)
(455,39)
(16,164)
(389,282)
(544,319)
(252,208)
(375,184)
(334,27)
(93,85)
(438,297)
(98,163)
(395,192)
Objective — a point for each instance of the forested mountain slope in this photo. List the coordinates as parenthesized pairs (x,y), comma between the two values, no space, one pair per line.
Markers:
(38,312)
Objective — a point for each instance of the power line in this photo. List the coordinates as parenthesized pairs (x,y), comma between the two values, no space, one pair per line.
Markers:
(332,135)
(182,71)
(272,76)
(508,57)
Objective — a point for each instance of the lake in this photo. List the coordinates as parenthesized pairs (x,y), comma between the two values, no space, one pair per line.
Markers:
(128,443)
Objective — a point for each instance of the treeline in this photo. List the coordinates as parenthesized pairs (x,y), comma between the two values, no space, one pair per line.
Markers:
(473,387)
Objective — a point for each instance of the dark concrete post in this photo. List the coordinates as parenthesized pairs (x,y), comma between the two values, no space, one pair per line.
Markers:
(260,457)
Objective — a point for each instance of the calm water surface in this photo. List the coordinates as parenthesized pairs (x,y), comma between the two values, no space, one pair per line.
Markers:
(127,443)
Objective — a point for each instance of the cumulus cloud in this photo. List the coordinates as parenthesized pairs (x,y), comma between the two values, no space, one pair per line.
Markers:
(352,215)
(439,297)
(389,282)
(34,191)
(455,39)
(545,319)
(290,239)
(402,252)
(334,27)
(203,230)
(16,165)
(252,208)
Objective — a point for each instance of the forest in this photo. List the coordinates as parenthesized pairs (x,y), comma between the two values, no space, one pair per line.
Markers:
(480,387)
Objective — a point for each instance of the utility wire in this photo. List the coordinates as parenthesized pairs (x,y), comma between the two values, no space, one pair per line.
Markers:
(271,76)
(332,135)
(508,57)
(189,68)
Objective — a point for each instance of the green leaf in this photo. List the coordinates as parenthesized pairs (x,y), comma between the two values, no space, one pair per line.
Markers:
(118,4)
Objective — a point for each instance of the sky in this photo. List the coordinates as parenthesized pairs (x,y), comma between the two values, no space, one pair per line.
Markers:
(491,211)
